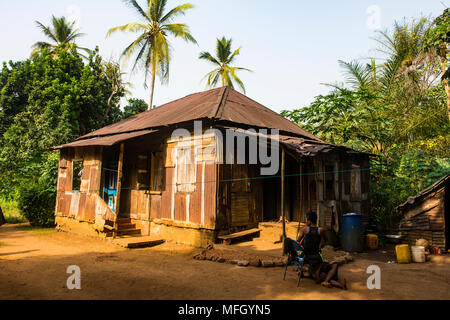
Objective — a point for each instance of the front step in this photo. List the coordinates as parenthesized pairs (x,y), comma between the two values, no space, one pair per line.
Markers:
(125,227)
(239,235)
(137,242)
(131,231)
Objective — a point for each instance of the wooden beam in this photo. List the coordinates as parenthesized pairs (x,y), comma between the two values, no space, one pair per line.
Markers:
(119,186)
(283,214)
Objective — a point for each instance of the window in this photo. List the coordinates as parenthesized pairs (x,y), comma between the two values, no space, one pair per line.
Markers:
(185,169)
(157,172)
(77,173)
(356,182)
(329,183)
(143,172)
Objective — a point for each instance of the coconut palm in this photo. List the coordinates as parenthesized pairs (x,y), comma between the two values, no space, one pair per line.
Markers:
(62,33)
(152,46)
(223,60)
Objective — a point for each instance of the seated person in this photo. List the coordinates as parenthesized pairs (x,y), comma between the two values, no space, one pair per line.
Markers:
(310,238)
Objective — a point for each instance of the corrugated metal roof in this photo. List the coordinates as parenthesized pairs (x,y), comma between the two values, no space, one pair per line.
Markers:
(220,105)
(299,147)
(411,200)
(105,140)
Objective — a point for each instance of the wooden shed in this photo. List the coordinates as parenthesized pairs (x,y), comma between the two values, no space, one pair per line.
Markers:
(426,215)
(135,178)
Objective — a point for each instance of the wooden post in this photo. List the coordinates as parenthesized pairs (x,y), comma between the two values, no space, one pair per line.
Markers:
(283,214)
(300,198)
(119,186)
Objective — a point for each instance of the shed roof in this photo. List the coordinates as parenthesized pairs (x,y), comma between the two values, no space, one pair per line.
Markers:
(437,185)
(220,105)
(105,140)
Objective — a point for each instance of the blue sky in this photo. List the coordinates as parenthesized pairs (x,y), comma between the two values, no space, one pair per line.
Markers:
(292,46)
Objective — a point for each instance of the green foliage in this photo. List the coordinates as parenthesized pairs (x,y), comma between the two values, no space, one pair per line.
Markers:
(11,211)
(352,118)
(37,203)
(134,107)
(223,60)
(63,35)
(439,33)
(151,48)
(398,174)
(395,110)
(47,101)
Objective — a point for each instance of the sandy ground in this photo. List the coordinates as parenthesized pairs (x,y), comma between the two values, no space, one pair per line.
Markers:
(33,266)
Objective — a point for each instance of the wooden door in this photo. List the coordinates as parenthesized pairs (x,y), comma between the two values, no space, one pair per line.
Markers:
(240,196)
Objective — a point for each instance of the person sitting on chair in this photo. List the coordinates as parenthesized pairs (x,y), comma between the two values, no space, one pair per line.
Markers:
(310,238)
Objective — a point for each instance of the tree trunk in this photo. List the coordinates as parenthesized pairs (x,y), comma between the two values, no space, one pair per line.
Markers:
(152,89)
(2,218)
(445,80)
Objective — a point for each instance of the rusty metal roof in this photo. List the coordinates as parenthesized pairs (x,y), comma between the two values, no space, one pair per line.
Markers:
(105,140)
(435,186)
(220,105)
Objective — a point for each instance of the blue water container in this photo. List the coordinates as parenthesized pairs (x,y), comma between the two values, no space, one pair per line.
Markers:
(352,232)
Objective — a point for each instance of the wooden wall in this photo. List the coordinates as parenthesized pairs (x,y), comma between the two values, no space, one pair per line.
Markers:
(189,199)
(426,219)
(84,204)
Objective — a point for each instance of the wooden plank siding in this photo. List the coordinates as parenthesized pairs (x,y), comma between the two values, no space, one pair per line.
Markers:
(425,219)
(187,200)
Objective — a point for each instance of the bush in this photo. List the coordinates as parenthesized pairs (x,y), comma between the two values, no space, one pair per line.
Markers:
(37,203)
(11,211)
(397,175)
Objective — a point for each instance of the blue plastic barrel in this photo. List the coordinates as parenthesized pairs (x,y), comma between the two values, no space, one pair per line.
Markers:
(352,232)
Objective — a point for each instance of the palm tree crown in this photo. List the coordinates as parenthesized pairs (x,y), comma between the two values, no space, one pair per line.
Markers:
(62,33)
(224,71)
(152,47)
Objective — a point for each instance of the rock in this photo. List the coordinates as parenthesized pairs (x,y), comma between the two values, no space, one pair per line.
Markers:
(234,262)
(221,260)
(267,264)
(348,258)
(280,264)
(243,263)
(255,263)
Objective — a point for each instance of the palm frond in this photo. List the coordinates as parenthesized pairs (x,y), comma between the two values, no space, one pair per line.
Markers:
(237,79)
(207,56)
(233,55)
(355,73)
(177,11)
(138,8)
(129,27)
(180,30)
(46,31)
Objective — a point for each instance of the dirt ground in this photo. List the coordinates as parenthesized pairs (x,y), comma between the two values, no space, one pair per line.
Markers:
(33,266)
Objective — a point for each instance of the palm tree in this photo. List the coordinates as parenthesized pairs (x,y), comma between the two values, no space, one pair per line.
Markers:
(152,45)
(224,71)
(62,33)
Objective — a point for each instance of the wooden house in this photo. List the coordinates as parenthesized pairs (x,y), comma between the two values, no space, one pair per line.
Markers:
(427,215)
(133,177)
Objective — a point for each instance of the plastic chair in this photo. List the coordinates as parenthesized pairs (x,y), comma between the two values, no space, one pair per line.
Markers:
(296,260)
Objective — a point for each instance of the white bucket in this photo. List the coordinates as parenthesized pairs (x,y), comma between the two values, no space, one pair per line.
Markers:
(418,253)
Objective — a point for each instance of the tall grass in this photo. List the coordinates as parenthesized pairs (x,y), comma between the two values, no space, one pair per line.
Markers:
(11,212)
